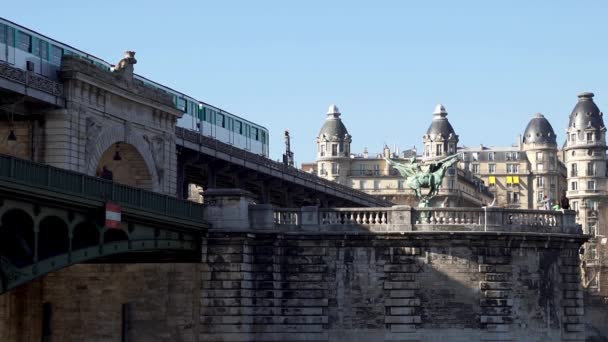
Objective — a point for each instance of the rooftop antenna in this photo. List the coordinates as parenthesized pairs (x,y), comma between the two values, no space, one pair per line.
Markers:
(288,155)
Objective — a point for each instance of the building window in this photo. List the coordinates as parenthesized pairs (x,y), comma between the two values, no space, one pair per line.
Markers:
(451,148)
(400,185)
(475,156)
(439,149)
(334,150)
(574,186)
(323,150)
(512,197)
(476,168)
(591,228)
(591,185)
(589,137)
(573,137)
(491,168)
(361,169)
(376,185)
(426,151)
(492,180)
(540,196)
(334,169)
(540,167)
(362,184)
(512,168)
(540,182)
(590,169)
(539,157)
(376,169)
(573,171)
(322,171)
(551,163)
(491,156)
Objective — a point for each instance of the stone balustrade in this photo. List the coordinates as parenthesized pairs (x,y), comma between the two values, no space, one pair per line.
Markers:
(396,219)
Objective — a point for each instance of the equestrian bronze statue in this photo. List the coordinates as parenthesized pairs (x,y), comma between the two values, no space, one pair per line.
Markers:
(424,176)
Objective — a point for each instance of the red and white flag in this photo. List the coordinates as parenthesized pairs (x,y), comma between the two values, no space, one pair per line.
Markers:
(113,218)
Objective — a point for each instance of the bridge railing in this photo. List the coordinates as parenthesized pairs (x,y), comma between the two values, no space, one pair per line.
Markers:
(404,219)
(234,152)
(42,176)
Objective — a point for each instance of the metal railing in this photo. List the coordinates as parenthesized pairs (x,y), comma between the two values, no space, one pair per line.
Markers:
(73,183)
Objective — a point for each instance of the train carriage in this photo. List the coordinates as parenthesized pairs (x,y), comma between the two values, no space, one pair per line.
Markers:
(28,50)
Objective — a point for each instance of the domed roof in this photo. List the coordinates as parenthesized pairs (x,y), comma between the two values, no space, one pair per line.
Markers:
(586,114)
(440,124)
(539,131)
(333,126)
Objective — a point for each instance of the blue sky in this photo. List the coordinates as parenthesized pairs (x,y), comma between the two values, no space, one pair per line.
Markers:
(386,64)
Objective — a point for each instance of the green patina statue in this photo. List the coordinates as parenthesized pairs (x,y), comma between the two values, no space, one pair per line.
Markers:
(420,177)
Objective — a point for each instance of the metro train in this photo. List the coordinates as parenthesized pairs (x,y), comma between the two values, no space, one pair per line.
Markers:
(28,50)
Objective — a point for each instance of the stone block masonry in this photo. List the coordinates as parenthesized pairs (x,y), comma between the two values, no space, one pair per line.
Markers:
(421,287)
(318,287)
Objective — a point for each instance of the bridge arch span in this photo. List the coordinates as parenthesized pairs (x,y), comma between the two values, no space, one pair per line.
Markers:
(131,145)
(17,236)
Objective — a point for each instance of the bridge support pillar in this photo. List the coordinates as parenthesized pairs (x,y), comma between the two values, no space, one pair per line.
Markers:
(228,208)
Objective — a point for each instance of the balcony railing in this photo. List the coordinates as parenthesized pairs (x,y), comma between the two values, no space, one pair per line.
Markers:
(46,177)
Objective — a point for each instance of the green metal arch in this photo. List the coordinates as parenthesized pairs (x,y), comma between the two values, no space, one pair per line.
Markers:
(12,277)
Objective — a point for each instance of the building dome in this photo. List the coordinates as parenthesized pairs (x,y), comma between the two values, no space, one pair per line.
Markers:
(586,114)
(440,124)
(539,131)
(333,126)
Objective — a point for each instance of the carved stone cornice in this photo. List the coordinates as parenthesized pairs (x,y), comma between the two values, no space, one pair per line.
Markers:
(31,80)
(74,68)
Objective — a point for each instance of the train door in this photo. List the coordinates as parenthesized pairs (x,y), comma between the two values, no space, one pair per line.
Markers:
(231,131)
(247,138)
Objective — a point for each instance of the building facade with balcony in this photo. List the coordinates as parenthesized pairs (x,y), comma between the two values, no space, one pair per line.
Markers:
(520,176)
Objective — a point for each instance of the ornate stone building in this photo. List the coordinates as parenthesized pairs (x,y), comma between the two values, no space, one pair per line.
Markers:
(371,173)
(584,153)
(520,176)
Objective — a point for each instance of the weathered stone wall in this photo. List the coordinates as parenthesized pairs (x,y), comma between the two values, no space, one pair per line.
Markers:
(423,287)
(319,287)
(162,304)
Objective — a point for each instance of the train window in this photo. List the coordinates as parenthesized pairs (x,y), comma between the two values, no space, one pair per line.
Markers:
(44,49)
(56,53)
(246,130)
(24,42)
(181,104)
(201,113)
(238,127)
(10,36)
(254,133)
(220,120)
(35,46)
(263,137)
(2,33)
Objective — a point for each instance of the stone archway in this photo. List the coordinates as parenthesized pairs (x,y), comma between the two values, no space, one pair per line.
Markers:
(134,146)
(130,170)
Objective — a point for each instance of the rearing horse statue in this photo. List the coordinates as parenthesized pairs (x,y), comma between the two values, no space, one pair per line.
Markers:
(427,176)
